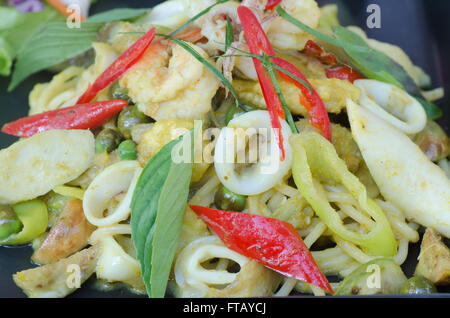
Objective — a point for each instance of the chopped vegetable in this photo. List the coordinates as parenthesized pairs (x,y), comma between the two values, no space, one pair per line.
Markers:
(343,72)
(271,4)
(9,223)
(418,286)
(225,199)
(62,7)
(127,150)
(119,67)
(107,140)
(117,92)
(83,116)
(271,242)
(128,118)
(380,276)
(316,158)
(34,217)
(70,192)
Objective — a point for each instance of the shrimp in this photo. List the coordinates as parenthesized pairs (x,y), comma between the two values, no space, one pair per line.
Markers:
(286,36)
(168,82)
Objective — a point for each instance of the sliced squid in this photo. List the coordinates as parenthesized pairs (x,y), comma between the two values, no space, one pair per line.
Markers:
(403,173)
(120,178)
(393,105)
(196,276)
(115,264)
(34,166)
(268,170)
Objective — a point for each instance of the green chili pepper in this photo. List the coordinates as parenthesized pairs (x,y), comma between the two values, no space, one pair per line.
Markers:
(9,223)
(315,161)
(34,217)
(127,150)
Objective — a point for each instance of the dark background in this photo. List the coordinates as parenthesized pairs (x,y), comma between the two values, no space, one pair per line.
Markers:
(420,27)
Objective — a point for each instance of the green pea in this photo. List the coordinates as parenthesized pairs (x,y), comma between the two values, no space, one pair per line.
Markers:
(127,150)
(117,92)
(229,201)
(107,140)
(418,286)
(128,118)
(9,223)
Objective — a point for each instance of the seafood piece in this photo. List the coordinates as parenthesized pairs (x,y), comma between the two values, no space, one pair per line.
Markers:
(69,235)
(117,260)
(194,280)
(260,171)
(403,173)
(393,105)
(55,280)
(168,82)
(34,166)
(118,179)
(284,35)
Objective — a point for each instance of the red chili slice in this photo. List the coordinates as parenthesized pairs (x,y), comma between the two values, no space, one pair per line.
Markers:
(119,67)
(271,242)
(259,43)
(271,4)
(311,101)
(82,116)
(314,50)
(343,72)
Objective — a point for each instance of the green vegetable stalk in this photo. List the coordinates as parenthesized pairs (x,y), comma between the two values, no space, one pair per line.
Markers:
(34,217)
(315,161)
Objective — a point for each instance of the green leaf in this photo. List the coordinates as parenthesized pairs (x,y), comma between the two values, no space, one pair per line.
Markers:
(117,14)
(229,35)
(157,210)
(372,63)
(56,43)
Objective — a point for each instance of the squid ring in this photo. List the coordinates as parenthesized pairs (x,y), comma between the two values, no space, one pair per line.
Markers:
(268,170)
(393,105)
(189,271)
(116,179)
(114,263)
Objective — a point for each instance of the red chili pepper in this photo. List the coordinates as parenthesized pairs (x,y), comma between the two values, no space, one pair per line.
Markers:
(119,67)
(311,101)
(271,4)
(271,242)
(343,72)
(259,43)
(83,116)
(314,50)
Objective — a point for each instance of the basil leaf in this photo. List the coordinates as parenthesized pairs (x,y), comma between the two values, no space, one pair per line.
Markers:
(157,210)
(372,63)
(56,43)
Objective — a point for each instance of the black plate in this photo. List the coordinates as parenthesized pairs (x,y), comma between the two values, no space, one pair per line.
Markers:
(421,28)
